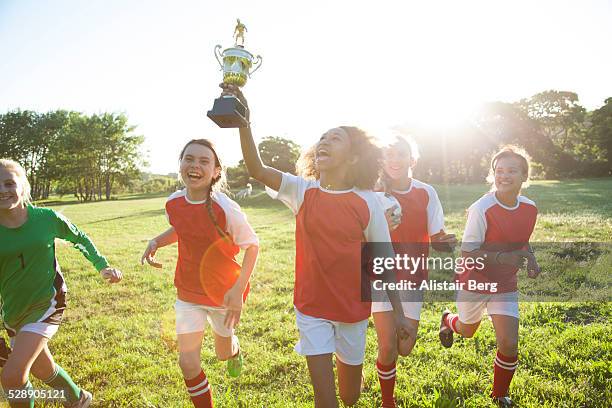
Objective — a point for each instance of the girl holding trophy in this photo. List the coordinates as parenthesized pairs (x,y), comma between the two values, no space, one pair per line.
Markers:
(33,290)
(211,286)
(422,224)
(498,229)
(336,211)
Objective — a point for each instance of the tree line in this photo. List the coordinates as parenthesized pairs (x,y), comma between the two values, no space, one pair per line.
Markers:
(68,152)
(562,137)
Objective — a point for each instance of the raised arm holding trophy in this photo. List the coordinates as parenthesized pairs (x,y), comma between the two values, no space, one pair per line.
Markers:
(236,63)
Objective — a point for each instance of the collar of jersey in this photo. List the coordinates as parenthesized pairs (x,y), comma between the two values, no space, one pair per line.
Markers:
(192,201)
(334,191)
(405,191)
(518,202)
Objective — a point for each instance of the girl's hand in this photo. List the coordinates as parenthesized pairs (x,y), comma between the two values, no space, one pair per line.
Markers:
(232,301)
(405,328)
(443,242)
(149,255)
(112,275)
(233,90)
(514,258)
(392,220)
(533,269)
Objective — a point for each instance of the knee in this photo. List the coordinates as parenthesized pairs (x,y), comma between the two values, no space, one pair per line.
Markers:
(13,377)
(468,330)
(190,364)
(405,347)
(387,352)
(350,398)
(508,347)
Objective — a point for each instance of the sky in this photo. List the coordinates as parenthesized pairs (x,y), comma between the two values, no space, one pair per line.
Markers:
(374,64)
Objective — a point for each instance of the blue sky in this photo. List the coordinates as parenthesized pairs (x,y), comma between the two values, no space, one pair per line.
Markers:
(325,63)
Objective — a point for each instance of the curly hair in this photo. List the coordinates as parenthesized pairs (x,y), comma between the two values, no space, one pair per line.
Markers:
(510,151)
(363,173)
(218,183)
(21,173)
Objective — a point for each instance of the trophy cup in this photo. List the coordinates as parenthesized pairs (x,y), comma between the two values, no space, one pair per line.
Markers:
(228,111)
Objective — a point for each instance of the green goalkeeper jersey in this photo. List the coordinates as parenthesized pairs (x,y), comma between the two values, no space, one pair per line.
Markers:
(32,288)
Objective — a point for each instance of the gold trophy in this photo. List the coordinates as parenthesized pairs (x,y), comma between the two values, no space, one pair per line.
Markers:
(228,111)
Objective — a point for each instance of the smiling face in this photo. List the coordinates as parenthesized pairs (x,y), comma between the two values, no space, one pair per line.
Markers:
(333,150)
(398,161)
(11,189)
(198,168)
(509,175)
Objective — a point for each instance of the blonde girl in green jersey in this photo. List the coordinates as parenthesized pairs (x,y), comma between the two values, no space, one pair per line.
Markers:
(33,291)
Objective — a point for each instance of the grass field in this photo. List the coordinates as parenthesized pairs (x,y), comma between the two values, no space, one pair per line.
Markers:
(119,342)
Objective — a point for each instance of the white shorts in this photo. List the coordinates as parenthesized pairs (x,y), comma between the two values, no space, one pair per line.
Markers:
(44,329)
(192,317)
(321,336)
(412,302)
(471,305)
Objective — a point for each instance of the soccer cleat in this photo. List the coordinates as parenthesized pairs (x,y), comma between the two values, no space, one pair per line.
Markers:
(446,333)
(5,350)
(234,364)
(83,402)
(503,402)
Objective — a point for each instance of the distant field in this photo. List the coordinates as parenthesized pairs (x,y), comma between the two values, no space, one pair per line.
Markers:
(119,341)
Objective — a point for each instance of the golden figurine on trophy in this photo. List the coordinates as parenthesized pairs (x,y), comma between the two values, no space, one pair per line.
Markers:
(228,111)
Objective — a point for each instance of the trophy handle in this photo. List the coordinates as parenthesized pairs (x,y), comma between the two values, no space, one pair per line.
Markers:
(256,62)
(218,55)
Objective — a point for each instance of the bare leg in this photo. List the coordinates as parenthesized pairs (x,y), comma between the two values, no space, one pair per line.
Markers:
(349,382)
(386,333)
(322,378)
(189,347)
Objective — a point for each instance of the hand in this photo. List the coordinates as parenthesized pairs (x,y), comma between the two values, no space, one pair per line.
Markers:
(149,255)
(233,90)
(232,301)
(514,258)
(443,242)
(392,220)
(533,269)
(405,328)
(112,275)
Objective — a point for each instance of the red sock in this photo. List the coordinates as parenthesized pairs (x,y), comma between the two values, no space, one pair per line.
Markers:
(199,391)
(386,377)
(503,370)
(451,321)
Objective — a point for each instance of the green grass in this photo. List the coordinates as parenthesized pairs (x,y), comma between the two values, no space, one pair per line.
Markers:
(119,342)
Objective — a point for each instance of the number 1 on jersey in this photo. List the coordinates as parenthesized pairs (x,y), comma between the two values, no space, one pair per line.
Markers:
(22,261)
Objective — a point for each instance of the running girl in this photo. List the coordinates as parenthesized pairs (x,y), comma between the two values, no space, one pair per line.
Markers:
(210,229)
(33,290)
(336,211)
(498,229)
(422,223)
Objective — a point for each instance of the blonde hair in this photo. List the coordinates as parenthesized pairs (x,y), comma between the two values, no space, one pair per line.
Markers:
(511,151)
(21,173)
(363,174)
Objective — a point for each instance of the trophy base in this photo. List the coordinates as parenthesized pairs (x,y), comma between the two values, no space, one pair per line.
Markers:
(229,112)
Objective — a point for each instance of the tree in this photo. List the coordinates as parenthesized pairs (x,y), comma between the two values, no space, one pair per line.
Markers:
(600,133)
(280,153)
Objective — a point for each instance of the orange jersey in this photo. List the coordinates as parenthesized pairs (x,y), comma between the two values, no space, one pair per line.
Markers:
(493,226)
(204,258)
(330,229)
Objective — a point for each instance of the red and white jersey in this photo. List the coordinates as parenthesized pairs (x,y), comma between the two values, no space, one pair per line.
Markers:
(493,226)
(200,247)
(422,216)
(330,229)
